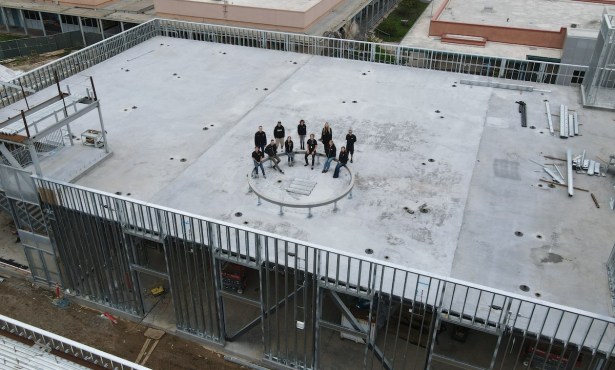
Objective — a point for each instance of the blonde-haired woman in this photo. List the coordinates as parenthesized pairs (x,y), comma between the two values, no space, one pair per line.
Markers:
(326,135)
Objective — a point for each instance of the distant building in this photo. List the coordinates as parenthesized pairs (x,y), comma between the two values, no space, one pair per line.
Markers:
(557,31)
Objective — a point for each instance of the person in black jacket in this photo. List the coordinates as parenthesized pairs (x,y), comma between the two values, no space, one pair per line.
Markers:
(271,151)
(341,162)
(260,138)
(288,149)
(330,151)
(278,134)
(258,157)
(350,140)
(312,144)
(302,131)
(326,135)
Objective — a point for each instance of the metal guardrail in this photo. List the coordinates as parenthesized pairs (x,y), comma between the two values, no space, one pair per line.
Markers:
(66,346)
(474,64)
(42,77)
(463,302)
(610,270)
(469,64)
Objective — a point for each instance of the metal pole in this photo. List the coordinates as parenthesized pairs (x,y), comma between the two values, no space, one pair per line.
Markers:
(93,88)
(23,92)
(61,26)
(82,33)
(100,27)
(318,309)
(23,21)
(6,19)
(25,123)
(102,129)
(40,17)
(60,94)
(569,165)
(70,134)
(34,155)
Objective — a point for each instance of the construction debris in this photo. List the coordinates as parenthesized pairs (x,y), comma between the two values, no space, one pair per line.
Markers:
(554,158)
(554,183)
(523,111)
(569,166)
(589,166)
(563,124)
(109,317)
(568,122)
(582,165)
(61,302)
(557,178)
(147,349)
(549,117)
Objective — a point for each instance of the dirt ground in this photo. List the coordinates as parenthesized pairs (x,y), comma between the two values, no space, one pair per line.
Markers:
(32,305)
(28,63)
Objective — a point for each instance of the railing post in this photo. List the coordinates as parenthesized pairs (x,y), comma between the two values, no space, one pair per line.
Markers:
(372,52)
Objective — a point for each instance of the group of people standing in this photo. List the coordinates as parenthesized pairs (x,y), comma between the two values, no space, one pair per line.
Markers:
(310,146)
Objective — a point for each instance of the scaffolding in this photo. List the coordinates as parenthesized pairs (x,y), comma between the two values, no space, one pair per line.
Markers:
(40,131)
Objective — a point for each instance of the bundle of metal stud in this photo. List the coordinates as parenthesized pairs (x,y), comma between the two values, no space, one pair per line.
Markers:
(589,166)
(568,122)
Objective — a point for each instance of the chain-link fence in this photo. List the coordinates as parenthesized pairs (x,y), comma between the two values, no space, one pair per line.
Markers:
(45,44)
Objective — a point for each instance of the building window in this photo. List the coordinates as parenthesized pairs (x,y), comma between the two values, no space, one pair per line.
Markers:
(577,77)
(69,19)
(28,14)
(89,22)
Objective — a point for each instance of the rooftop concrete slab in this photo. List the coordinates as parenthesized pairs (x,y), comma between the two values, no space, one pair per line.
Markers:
(181,116)
(535,14)
(548,15)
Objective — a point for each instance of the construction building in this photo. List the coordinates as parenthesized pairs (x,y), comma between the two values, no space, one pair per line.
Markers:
(126,168)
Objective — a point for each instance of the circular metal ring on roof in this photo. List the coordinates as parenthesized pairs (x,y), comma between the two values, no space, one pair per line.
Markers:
(346,191)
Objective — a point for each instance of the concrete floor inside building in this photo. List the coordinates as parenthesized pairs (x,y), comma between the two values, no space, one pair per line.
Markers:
(181,116)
